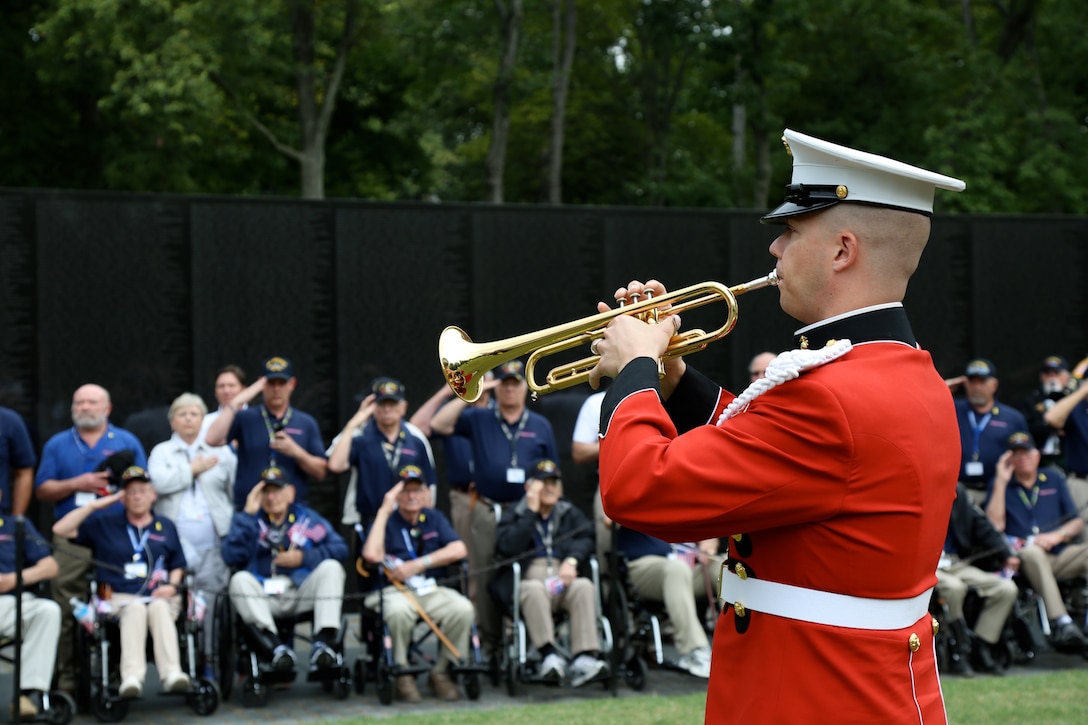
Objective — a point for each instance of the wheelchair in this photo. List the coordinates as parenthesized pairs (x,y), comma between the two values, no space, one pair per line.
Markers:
(638,624)
(99,646)
(256,678)
(58,707)
(518,662)
(375,663)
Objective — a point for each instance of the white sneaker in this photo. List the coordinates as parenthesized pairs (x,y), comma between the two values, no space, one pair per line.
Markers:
(552,668)
(177,682)
(131,688)
(696,662)
(585,668)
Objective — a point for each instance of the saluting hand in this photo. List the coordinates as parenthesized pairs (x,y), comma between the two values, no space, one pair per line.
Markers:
(253,500)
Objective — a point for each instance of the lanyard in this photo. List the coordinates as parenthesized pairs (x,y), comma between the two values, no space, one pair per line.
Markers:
(412,550)
(137,546)
(977,428)
(271,433)
(513,436)
(545,532)
(1030,505)
(392,451)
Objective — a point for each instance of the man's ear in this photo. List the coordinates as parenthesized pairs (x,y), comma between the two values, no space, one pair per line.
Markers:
(846,254)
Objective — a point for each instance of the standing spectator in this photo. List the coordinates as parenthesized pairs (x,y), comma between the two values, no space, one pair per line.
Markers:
(1055,382)
(835,477)
(415,543)
(459,467)
(973,551)
(194,482)
(985,425)
(17,461)
(758,365)
(385,444)
(288,558)
(1036,512)
(1069,416)
(505,440)
(229,381)
(73,473)
(270,435)
(41,617)
(140,559)
(552,539)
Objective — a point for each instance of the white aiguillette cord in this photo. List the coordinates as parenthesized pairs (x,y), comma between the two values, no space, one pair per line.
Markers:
(787,366)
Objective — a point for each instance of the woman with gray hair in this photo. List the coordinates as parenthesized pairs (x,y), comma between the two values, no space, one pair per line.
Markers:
(195,482)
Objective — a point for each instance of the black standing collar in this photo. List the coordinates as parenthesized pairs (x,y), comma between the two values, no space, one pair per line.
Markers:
(886,324)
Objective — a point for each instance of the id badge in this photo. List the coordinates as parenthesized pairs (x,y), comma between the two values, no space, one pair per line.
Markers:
(973,468)
(423,585)
(515,475)
(84,497)
(136,570)
(276,585)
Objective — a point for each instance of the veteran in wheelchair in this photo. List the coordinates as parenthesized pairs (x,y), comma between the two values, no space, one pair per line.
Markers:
(288,566)
(139,559)
(414,545)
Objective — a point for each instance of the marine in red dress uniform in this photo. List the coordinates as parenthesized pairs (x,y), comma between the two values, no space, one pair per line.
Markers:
(835,488)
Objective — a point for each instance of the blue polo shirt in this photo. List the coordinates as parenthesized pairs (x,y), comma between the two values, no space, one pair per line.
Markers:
(1076,439)
(16,451)
(378,462)
(1043,508)
(431,533)
(116,542)
(992,431)
(66,455)
(635,544)
(252,428)
(498,446)
(34,547)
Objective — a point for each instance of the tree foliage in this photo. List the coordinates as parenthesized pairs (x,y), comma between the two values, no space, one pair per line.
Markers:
(668,102)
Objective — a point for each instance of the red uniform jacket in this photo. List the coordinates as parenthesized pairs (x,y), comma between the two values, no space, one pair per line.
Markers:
(841,480)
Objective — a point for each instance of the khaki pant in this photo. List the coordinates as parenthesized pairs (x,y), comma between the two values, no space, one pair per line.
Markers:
(538,605)
(482,554)
(677,585)
(41,628)
(451,611)
(998,597)
(74,565)
(136,619)
(1043,569)
(321,593)
(1078,489)
(461,518)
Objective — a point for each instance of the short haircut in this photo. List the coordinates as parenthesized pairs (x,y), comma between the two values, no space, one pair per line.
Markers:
(184,401)
(233,370)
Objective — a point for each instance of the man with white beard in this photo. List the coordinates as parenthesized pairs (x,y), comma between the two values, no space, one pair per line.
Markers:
(76,468)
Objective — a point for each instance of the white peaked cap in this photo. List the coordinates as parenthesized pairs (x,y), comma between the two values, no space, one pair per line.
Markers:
(825,174)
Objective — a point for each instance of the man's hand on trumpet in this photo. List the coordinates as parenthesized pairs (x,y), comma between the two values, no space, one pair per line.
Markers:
(627,338)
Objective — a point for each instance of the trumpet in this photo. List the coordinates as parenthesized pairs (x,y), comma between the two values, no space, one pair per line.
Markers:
(465,362)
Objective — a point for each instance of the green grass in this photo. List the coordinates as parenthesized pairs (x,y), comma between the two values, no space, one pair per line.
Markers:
(1049,698)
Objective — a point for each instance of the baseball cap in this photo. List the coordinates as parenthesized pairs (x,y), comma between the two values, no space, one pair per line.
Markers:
(134,473)
(512,369)
(387,389)
(1055,362)
(274,476)
(980,368)
(411,473)
(825,174)
(1021,441)
(544,468)
(277,368)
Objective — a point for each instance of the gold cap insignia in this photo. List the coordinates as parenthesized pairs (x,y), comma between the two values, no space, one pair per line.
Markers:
(841,191)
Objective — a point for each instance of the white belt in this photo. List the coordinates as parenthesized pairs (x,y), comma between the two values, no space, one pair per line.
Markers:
(818,607)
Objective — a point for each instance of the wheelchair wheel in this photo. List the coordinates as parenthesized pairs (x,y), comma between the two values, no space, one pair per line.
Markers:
(634,673)
(341,687)
(204,699)
(472,685)
(62,707)
(225,664)
(254,694)
(106,709)
(512,676)
(359,678)
(384,677)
